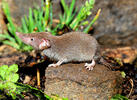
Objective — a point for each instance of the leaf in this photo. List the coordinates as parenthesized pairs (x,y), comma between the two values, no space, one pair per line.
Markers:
(11,88)
(8,73)
(123,74)
(13,68)
(119,97)
(3,70)
(84,23)
(12,77)
(83,13)
(1,86)
(9,85)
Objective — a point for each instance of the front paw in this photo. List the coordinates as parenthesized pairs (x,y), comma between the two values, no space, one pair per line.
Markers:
(53,65)
(89,66)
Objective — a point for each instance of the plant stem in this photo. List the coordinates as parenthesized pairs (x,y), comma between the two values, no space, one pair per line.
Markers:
(92,22)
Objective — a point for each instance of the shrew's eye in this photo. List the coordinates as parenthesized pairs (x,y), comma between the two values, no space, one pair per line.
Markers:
(32,39)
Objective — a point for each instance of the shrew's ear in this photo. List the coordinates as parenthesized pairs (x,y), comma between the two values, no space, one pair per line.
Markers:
(45,43)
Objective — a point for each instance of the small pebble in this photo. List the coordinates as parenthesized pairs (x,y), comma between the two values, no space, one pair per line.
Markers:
(27,79)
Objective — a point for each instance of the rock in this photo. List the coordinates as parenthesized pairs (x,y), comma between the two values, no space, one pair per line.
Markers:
(116,16)
(117,21)
(27,79)
(9,55)
(74,82)
(125,54)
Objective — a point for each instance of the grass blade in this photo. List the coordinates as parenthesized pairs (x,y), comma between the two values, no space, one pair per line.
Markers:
(51,16)
(15,45)
(65,7)
(47,12)
(70,10)
(92,22)
(30,21)
(24,26)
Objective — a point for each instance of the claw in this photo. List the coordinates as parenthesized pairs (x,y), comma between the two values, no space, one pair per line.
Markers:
(57,64)
(53,65)
(90,66)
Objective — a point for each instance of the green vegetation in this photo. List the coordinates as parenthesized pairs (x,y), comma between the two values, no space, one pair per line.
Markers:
(10,86)
(40,19)
(33,23)
(123,74)
(8,77)
(74,18)
(119,97)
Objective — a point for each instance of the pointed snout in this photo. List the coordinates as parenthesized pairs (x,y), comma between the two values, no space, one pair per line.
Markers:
(21,36)
(18,33)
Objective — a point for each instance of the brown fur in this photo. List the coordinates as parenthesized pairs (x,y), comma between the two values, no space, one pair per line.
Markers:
(72,46)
